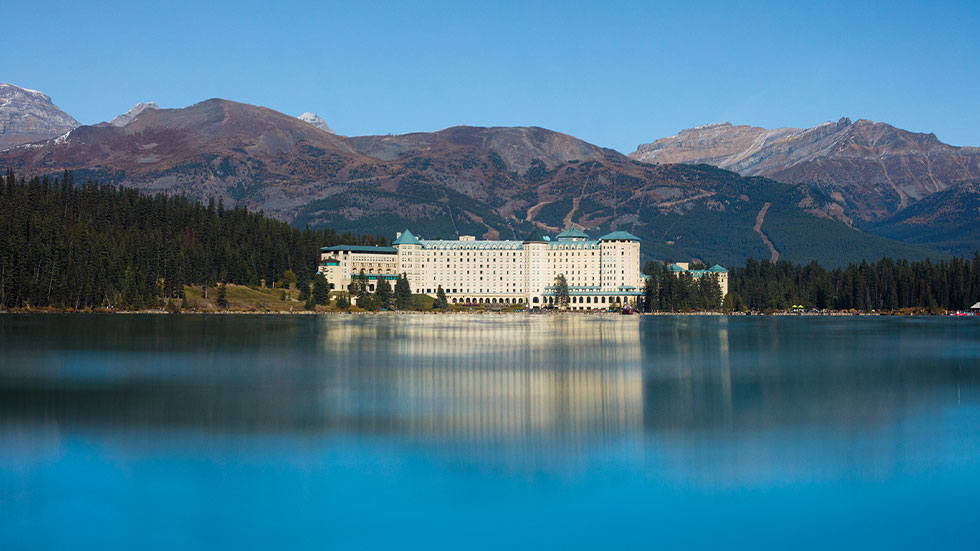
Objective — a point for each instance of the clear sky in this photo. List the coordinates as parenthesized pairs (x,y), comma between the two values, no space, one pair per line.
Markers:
(614,74)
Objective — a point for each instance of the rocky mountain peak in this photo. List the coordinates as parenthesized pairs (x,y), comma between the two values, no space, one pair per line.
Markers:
(314,120)
(125,118)
(28,116)
(868,170)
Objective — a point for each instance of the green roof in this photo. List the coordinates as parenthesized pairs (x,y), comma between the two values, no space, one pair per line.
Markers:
(406,238)
(573,233)
(536,237)
(360,249)
(619,236)
(718,269)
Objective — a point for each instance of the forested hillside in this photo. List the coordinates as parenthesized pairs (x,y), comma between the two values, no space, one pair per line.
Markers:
(98,246)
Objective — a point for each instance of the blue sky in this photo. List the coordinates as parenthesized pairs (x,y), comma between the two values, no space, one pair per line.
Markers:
(614,74)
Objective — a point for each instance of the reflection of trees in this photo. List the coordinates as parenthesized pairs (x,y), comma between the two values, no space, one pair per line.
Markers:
(480,379)
(712,372)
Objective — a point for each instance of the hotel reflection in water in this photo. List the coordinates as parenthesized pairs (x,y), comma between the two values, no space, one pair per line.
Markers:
(493,379)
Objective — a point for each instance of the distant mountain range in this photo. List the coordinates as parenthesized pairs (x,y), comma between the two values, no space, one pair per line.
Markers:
(502,182)
(862,173)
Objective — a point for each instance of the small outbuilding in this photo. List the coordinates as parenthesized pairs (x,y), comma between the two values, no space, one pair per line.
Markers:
(975,308)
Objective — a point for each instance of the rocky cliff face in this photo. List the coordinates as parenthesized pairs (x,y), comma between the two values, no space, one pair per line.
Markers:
(857,170)
(28,116)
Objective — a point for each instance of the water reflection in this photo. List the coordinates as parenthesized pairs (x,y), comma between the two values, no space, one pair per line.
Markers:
(486,380)
(520,380)
(764,374)
(500,431)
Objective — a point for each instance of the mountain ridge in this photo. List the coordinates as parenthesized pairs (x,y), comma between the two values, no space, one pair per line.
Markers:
(867,170)
(494,182)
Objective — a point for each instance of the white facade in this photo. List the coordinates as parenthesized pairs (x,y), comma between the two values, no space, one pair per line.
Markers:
(600,272)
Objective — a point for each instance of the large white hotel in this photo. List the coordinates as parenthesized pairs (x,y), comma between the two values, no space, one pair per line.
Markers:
(600,272)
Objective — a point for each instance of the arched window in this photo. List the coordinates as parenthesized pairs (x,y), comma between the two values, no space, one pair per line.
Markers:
(535,300)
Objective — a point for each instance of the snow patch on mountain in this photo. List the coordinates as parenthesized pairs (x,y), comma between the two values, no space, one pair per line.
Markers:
(314,120)
(128,116)
(28,116)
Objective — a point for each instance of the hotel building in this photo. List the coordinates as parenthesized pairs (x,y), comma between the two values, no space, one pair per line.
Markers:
(600,272)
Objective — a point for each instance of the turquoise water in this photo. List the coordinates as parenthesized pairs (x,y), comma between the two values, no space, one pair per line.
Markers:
(499,431)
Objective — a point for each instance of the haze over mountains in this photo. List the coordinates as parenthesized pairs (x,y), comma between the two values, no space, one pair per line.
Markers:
(501,182)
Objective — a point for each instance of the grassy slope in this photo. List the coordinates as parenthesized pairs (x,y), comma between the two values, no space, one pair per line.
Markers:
(252,299)
(245,299)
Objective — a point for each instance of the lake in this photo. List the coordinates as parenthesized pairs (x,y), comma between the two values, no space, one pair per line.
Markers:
(489,432)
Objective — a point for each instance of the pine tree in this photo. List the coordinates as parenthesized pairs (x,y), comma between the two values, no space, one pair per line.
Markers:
(321,290)
(222,301)
(288,278)
(342,302)
(304,291)
(359,286)
(709,292)
(561,291)
(403,293)
(441,301)
(649,293)
(383,293)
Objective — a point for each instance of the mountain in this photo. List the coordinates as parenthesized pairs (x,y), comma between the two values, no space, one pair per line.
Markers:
(859,171)
(948,221)
(28,116)
(125,118)
(316,121)
(215,148)
(500,182)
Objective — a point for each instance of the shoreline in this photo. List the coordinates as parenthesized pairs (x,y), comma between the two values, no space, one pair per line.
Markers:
(483,312)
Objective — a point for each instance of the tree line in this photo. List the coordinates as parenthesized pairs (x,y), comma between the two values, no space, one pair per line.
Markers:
(93,245)
(760,285)
(885,285)
(666,291)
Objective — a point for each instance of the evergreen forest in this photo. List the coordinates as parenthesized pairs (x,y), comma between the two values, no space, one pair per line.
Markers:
(98,246)
(884,286)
